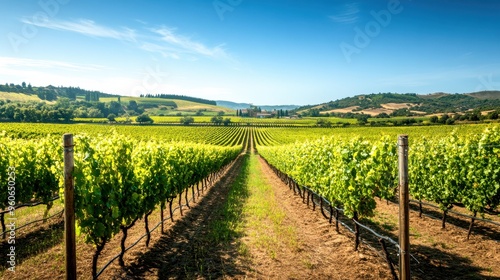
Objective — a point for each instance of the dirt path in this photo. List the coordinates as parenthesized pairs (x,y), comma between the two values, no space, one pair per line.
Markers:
(250,225)
(321,253)
(289,242)
(185,252)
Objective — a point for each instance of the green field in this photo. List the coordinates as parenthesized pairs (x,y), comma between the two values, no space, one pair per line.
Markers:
(206,119)
(19,97)
(281,135)
(140,169)
(184,107)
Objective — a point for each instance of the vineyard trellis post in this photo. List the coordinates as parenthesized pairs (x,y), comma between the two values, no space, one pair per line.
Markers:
(404,221)
(69,207)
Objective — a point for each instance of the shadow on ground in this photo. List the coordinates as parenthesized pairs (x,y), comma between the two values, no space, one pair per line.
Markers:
(189,249)
(32,243)
(479,228)
(427,262)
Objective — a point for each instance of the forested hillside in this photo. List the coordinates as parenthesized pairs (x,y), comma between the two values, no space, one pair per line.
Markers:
(410,103)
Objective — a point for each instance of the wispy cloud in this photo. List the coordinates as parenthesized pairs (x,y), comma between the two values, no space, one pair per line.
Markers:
(161,49)
(185,44)
(14,62)
(349,14)
(164,40)
(88,28)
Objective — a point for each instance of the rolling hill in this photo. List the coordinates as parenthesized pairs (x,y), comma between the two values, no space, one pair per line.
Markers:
(407,104)
(163,106)
(380,104)
(153,105)
(238,106)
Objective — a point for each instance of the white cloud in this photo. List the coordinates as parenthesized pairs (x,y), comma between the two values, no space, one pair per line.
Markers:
(163,50)
(88,28)
(184,44)
(163,40)
(348,15)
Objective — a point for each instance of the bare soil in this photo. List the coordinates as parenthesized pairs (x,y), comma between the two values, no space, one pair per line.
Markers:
(445,253)
(386,108)
(184,252)
(318,252)
(323,253)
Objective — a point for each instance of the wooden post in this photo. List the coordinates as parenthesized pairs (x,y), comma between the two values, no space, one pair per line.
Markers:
(404,221)
(69,208)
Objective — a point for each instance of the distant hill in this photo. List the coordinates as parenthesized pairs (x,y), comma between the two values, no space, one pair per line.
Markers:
(181,97)
(233,105)
(397,104)
(52,93)
(492,94)
(103,104)
(238,106)
(375,104)
(170,106)
(26,92)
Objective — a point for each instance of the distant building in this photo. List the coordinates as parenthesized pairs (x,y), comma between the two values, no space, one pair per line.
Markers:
(264,115)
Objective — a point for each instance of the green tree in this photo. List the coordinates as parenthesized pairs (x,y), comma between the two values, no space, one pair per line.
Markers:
(362,118)
(115,108)
(216,120)
(144,118)
(186,120)
(493,115)
(314,113)
(444,118)
(323,123)
(132,105)
(111,117)
(383,116)
(62,103)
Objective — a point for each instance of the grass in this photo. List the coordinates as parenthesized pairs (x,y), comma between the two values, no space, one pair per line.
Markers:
(251,211)
(264,219)
(19,97)
(230,224)
(384,220)
(182,105)
(30,247)
(27,214)
(415,233)
(30,243)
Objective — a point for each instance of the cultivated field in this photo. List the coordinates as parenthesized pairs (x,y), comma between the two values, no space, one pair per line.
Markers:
(252,202)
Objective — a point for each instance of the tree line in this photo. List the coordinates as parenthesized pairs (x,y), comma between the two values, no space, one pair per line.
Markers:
(254,110)
(180,97)
(65,110)
(51,93)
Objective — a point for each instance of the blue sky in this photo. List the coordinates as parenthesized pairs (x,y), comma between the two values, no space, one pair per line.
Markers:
(257,51)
